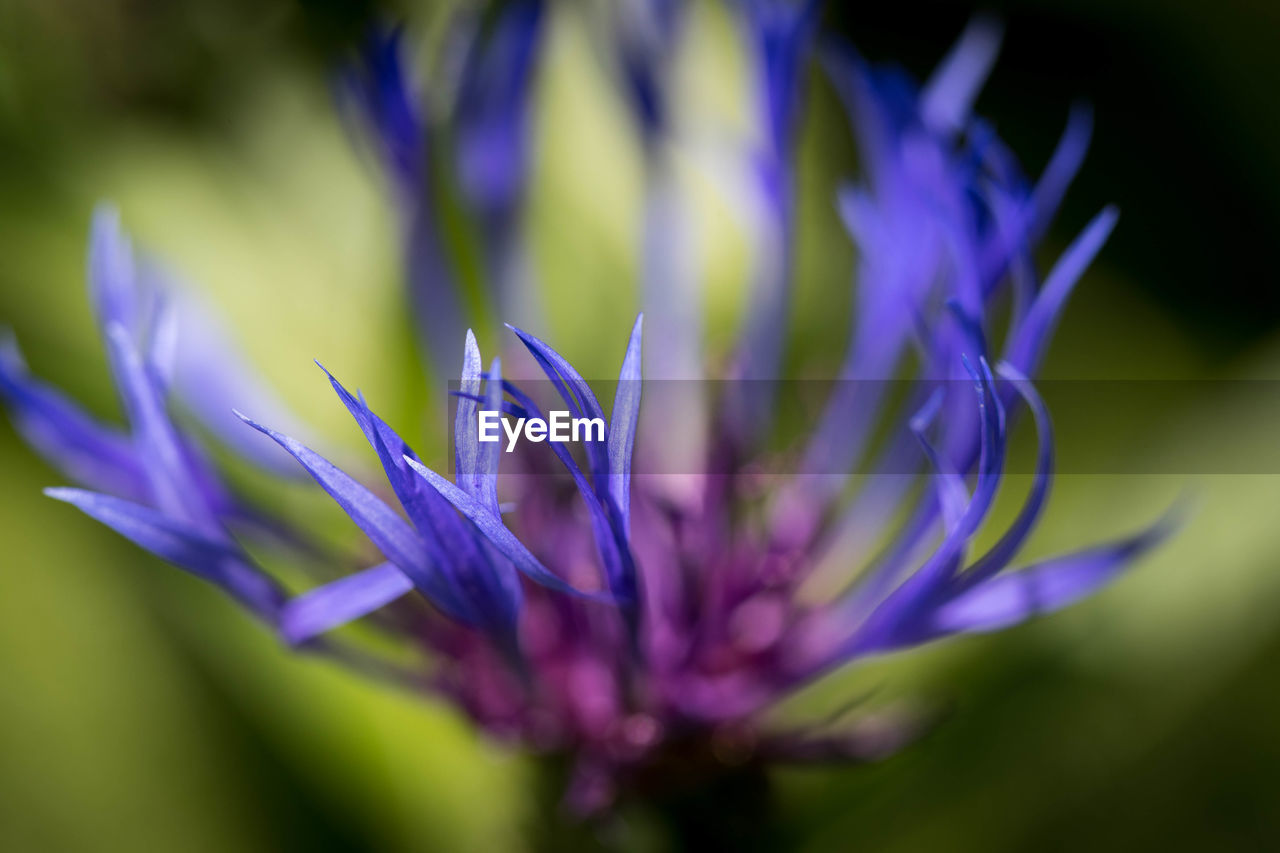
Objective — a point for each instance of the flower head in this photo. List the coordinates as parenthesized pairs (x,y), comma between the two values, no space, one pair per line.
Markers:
(608,621)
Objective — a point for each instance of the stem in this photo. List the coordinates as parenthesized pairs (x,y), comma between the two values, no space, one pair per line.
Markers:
(684,802)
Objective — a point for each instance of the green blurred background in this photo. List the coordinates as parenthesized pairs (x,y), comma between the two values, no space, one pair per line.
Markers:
(140,710)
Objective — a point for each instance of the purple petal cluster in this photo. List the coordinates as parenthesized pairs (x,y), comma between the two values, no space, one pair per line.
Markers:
(610,621)
(151,482)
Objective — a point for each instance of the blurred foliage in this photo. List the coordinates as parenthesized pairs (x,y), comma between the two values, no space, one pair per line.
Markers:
(141,711)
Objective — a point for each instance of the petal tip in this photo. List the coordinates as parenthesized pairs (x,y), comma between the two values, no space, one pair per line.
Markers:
(61,493)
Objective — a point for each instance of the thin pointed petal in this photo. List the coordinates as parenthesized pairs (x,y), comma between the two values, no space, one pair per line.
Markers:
(508,407)
(1061,170)
(898,615)
(1004,550)
(163,536)
(1044,587)
(180,544)
(465,428)
(481,591)
(1028,346)
(342,601)
(951,492)
(111,270)
(387,530)
(490,524)
(622,424)
(607,525)
(379,87)
(783,34)
(162,343)
(575,391)
(91,453)
(948,97)
(491,110)
(481,479)
(577,395)
(174,482)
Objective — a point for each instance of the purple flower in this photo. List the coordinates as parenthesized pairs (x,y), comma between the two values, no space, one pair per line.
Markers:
(599,617)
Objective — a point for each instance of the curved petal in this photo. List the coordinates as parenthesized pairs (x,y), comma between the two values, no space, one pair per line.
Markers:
(344,600)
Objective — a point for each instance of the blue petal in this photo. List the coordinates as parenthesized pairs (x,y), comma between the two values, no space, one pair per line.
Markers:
(218,562)
(342,601)
(162,335)
(492,110)
(389,532)
(486,585)
(490,524)
(1004,550)
(466,434)
(646,32)
(508,407)
(1043,587)
(379,87)
(89,452)
(112,275)
(622,424)
(783,31)
(952,494)
(477,462)
(392,449)
(1028,345)
(900,612)
(607,524)
(575,392)
(861,217)
(948,97)
(175,483)
(485,592)
(484,484)
(180,340)
(1061,171)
